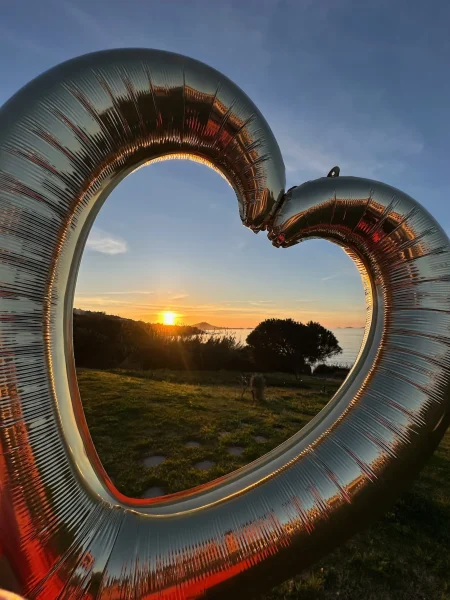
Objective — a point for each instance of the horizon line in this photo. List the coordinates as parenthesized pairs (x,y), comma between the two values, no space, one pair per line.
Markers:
(220,327)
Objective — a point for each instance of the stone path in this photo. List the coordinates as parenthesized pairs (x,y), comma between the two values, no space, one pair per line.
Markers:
(154,492)
(236,450)
(153,461)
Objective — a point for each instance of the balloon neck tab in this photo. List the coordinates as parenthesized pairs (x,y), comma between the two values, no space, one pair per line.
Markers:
(334,172)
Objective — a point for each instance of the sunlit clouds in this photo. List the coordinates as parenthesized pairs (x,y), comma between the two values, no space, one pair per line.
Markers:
(190,309)
(179,297)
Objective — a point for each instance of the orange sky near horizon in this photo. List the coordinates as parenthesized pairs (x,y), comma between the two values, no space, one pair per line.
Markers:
(145,306)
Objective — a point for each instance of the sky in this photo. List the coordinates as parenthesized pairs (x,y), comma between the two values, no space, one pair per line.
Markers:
(363,85)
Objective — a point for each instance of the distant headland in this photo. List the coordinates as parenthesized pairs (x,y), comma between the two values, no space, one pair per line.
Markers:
(204,326)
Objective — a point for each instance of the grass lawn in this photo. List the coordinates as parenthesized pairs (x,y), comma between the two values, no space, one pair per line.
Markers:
(405,556)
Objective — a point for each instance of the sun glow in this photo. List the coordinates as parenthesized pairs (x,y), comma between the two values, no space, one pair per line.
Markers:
(169,318)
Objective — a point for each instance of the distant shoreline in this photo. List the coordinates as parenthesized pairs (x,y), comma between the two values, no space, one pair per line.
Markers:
(242,328)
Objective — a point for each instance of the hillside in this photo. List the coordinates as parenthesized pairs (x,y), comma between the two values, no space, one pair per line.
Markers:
(104,341)
(204,326)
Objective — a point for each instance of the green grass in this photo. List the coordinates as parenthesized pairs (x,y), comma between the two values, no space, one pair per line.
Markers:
(133,417)
(405,556)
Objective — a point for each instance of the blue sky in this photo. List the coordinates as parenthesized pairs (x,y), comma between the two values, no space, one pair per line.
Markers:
(362,85)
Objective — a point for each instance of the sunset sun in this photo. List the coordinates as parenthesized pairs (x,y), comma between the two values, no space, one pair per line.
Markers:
(169,318)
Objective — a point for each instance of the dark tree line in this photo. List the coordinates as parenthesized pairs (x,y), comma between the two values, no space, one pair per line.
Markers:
(105,342)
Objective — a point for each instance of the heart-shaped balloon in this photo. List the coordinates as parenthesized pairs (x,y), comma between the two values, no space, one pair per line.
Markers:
(66,140)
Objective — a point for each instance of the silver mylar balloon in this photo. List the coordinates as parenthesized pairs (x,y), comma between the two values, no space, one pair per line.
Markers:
(65,532)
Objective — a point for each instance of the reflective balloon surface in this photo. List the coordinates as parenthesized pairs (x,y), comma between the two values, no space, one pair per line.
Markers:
(65,141)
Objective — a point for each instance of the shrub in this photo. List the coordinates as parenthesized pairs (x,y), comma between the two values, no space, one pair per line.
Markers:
(109,342)
(332,370)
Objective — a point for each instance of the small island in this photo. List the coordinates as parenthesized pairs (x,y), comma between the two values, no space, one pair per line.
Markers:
(204,326)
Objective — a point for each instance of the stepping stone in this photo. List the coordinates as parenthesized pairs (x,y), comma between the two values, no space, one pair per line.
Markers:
(153,492)
(192,444)
(204,465)
(236,450)
(260,438)
(153,461)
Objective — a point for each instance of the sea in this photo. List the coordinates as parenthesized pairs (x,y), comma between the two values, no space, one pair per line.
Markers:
(349,338)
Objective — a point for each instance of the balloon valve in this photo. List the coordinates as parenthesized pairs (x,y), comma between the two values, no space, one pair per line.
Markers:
(334,172)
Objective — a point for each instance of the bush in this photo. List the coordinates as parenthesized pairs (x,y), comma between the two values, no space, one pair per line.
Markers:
(332,370)
(108,342)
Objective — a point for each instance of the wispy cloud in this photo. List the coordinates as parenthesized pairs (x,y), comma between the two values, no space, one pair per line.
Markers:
(226,314)
(179,297)
(130,293)
(364,139)
(255,302)
(89,24)
(22,41)
(350,272)
(335,276)
(101,241)
(300,155)
(361,151)
(98,301)
(118,293)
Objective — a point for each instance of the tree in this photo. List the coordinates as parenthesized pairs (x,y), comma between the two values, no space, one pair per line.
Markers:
(287,345)
(322,343)
(277,345)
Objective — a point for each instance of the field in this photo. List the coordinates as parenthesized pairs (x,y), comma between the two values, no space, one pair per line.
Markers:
(137,416)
